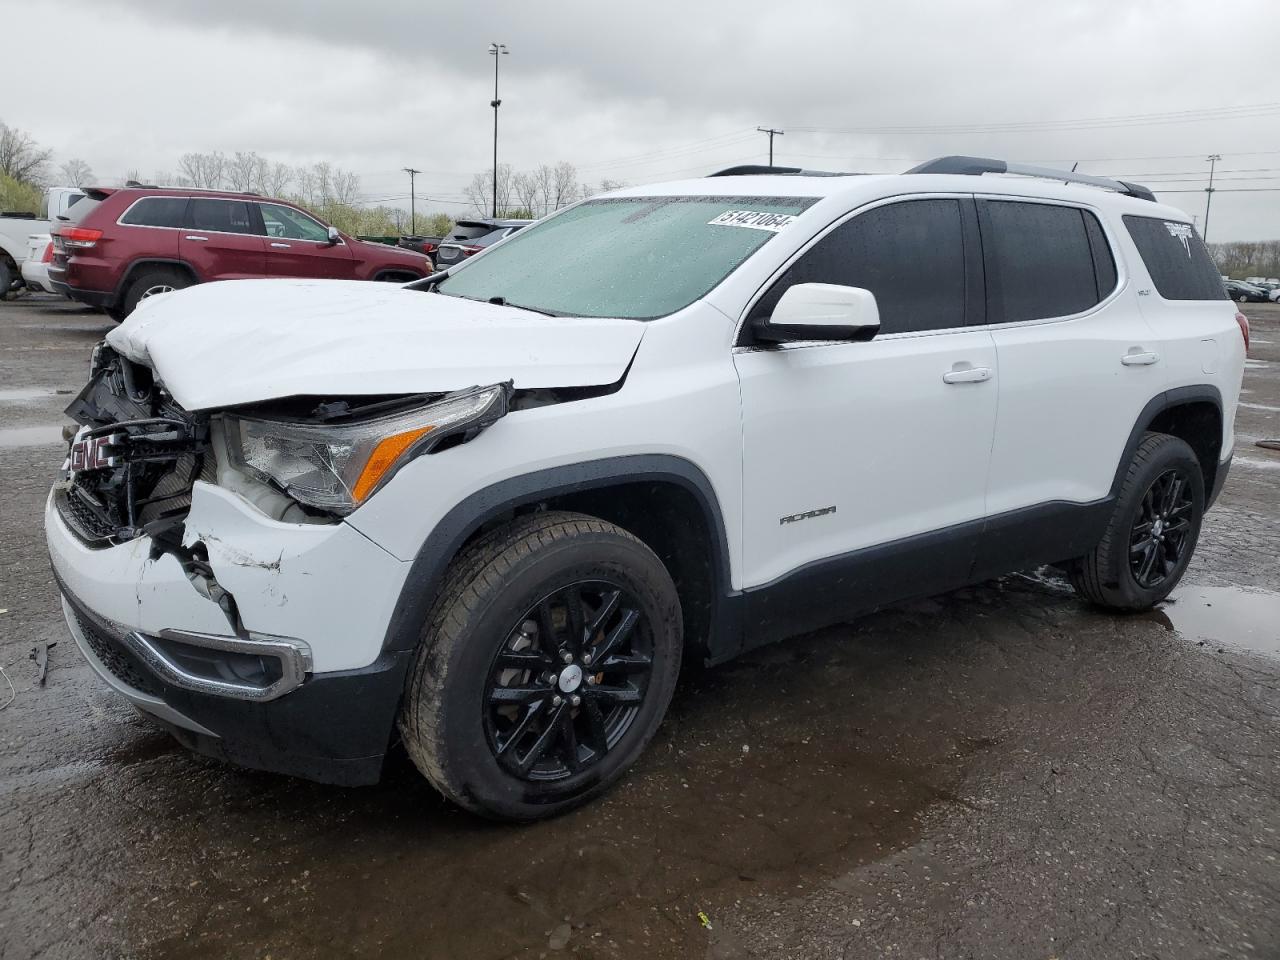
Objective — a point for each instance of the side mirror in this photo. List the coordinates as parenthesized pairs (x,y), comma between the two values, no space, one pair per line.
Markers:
(334,236)
(821,311)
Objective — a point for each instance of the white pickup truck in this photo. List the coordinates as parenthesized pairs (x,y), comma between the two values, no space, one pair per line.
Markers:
(15,229)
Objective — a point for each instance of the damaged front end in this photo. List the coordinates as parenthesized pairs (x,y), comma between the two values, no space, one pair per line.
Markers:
(133,460)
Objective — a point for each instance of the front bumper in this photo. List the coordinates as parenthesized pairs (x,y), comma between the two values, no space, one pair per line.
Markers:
(314,598)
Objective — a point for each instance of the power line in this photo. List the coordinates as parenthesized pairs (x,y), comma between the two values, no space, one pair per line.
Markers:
(772,133)
(1243,112)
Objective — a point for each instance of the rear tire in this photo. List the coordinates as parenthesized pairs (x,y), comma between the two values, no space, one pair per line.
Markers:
(149,282)
(545,667)
(7,276)
(1152,532)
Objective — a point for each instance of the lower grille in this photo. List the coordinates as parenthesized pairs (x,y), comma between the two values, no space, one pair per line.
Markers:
(117,658)
(87,523)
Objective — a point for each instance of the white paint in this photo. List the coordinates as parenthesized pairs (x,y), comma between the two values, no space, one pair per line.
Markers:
(219,344)
(1260,406)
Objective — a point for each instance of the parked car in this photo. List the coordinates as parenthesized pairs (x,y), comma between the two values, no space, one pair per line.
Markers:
(1274,295)
(470,237)
(35,267)
(1242,292)
(423,245)
(123,245)
(496,512)
(16,228)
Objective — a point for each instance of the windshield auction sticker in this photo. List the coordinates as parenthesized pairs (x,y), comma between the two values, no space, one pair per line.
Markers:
(753,219)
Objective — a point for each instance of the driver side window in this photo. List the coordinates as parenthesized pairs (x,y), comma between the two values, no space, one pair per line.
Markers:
(289,224)
(909,254)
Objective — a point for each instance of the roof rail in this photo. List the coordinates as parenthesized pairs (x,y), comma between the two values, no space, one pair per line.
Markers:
(976,166)
(760,169)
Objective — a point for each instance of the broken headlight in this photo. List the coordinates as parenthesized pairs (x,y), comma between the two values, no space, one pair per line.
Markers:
(337,466)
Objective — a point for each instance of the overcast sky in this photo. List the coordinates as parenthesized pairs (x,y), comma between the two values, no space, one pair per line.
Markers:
(661,90)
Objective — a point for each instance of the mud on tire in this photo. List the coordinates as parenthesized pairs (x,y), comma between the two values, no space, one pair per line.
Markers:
(1135,564)
(518,708)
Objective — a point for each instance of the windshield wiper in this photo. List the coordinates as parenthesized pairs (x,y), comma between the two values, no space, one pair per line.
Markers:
(503,302)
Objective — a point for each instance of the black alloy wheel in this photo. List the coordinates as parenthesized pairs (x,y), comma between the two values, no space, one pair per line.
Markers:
(568,681)
(1160,532)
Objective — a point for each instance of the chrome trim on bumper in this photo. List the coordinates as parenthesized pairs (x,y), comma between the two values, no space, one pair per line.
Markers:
(142,701)
(294,656)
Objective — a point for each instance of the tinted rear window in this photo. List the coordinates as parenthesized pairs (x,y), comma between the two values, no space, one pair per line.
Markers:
(1176,258)
(156,212)
(468,231)
(220,216)
(1040,261)
(80,209)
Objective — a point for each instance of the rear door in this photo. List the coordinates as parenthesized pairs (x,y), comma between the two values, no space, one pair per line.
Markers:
(299,246)
(223,240)
(1078,362)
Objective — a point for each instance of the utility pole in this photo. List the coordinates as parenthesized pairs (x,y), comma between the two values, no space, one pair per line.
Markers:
(413,213)
(1208,195)
(772,133)
(496,50)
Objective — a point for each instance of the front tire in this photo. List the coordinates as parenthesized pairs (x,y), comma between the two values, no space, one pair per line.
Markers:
(1153,529)
(546,666)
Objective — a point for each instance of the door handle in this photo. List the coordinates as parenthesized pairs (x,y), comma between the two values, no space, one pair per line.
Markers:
(194,237)
(281,246)
(967,375)
(1140,359)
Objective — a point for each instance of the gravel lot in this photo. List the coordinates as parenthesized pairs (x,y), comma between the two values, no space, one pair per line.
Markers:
(999,772)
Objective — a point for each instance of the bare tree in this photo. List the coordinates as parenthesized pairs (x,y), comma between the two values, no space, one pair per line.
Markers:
(480,190)
(527,190)
(242,170)
(22,158)
(204,169)
(344,187)
(275,179)
(75,173)
(564,186)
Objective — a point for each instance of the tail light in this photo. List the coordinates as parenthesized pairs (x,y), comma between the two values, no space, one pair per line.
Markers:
(79,236)
(468,251)
(48,253)
(1244,328)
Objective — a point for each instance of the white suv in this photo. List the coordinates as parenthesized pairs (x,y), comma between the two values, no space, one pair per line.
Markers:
(493,510)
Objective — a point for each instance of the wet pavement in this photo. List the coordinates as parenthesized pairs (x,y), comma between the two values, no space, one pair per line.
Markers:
(999,772)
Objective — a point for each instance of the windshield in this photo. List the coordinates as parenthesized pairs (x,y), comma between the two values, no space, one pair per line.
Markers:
(630,257)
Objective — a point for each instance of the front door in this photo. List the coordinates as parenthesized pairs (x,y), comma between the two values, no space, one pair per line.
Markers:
(865,464)
(299,246)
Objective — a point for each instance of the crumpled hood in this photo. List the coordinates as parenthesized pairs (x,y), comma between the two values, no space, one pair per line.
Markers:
(221,344)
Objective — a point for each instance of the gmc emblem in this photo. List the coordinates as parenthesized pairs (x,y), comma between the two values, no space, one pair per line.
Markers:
(91,453)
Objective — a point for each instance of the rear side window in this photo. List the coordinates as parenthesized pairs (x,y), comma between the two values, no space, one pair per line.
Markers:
(220,216)
(1176,258)
(1042,260)
(909,254)
(156,212)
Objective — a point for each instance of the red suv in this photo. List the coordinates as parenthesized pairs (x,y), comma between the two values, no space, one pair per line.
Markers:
(123,244)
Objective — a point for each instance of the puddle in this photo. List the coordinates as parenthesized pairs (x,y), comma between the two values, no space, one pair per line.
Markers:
(26,393)
(1256,464)
(1225,616)
(42,436)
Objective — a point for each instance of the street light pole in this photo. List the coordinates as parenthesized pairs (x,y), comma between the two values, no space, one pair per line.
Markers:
(772,133)
(1208,195)
(496,50)
(413,213)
